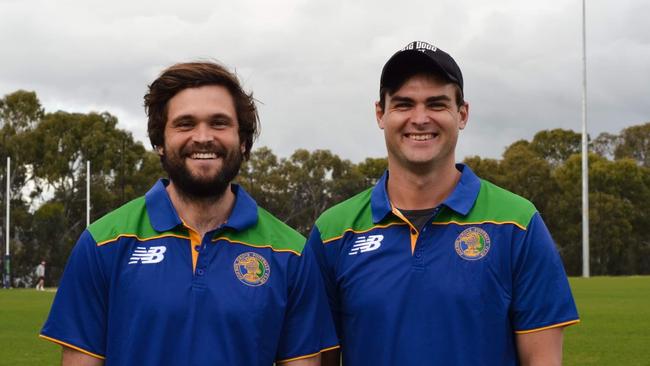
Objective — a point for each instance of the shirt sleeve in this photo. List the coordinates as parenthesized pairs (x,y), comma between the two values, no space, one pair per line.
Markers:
(542,297)
(326,259)
(78,315)
(307,329)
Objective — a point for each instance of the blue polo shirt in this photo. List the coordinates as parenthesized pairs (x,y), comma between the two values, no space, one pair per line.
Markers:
(142,288)
(455,293)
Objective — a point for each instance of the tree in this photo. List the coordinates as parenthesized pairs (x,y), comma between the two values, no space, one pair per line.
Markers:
(556,146)
(371,170)
(635,144)
(19,113)
(299,188)
(617,215)
(605,145)
(488,169)
(527,174)
(262,178)
(59,146)
(312,180)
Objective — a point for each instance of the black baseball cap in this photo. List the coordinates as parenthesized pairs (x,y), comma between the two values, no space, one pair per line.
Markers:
(420,56)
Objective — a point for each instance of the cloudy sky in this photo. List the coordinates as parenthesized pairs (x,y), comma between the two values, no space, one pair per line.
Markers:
(315,65)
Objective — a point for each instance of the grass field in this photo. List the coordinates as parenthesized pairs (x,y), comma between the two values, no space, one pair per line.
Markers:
(615,322)
(615,326)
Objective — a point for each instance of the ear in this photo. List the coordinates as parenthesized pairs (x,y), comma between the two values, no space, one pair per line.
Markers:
(242,148)
(379,115)
(464,116)
(160,150)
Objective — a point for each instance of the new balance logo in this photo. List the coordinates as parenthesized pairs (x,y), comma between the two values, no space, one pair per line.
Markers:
(365,244)
(148,256)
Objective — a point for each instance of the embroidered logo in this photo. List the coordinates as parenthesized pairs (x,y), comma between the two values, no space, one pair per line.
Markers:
(366,244)
(472,244)
(252,269)
(149,255)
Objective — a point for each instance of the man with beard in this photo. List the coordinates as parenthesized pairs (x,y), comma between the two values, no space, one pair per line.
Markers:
(194,272)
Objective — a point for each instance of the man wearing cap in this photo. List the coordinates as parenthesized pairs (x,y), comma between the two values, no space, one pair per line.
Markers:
(194,272)
(433,265)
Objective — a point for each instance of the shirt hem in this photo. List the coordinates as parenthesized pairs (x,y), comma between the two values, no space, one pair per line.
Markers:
(563,324)
(71,346)
(307,356)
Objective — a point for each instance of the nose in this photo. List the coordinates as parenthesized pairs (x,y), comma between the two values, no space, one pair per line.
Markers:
(420,115)
(202,133)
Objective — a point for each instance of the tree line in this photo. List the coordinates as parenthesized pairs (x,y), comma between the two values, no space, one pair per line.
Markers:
(48,179)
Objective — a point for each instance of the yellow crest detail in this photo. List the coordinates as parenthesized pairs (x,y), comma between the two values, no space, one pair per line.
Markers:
(472,244)
(252,269)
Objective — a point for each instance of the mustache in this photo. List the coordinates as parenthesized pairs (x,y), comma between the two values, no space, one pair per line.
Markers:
(204,147)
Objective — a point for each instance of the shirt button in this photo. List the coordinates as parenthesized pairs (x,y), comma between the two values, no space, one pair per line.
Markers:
(200,272)
(413,232)
(417,255)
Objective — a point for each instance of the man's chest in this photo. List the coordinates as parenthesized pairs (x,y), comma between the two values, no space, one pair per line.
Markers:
(157,278)
(451,266)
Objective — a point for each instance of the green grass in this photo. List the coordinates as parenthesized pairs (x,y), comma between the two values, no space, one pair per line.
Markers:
(615,322)
(614,328)
(22,313)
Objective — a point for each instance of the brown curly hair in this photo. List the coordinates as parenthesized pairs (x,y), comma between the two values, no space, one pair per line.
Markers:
(193,75)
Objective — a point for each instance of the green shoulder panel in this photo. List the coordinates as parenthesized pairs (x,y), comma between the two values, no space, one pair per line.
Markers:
(269,232)
(494,204)
(353,214)
(129,220)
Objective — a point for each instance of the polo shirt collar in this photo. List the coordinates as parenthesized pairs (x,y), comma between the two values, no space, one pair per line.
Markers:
(461,200)
(244,212)
(164,217)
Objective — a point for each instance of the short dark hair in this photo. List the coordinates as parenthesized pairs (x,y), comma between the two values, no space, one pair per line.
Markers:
(193,75)
(393,88)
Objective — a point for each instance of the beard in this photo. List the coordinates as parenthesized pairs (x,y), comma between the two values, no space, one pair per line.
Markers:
(196,187)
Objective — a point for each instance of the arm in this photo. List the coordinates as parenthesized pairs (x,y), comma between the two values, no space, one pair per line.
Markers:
(540,348)
(77,318)
(71,357)
(331,358)
(307,329)
(311,361)
(325,261)
(542,303)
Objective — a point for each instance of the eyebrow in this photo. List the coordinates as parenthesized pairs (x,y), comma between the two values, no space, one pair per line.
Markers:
(436,98)
(190,117)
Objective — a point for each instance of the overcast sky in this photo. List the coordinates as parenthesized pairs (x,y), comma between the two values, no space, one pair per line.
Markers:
(315,65)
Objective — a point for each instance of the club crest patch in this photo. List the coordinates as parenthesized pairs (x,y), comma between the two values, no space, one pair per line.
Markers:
(252,269)
(472,244)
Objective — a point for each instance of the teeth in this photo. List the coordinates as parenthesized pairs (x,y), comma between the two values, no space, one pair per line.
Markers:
(204,156)
(421,136)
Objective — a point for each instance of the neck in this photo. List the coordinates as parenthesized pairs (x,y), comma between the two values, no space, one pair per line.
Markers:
(414,190)
(203,214)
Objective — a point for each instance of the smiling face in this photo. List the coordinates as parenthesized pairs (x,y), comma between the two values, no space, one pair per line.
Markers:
(202,152)
(421,122)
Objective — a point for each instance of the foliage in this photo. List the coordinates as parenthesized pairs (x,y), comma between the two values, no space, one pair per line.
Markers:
(49,153)
(300,188)
(547,170)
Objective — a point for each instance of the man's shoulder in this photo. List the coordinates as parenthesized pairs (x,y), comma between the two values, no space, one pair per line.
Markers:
(269,232)
(498,205)
(353,214)
(129,219)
